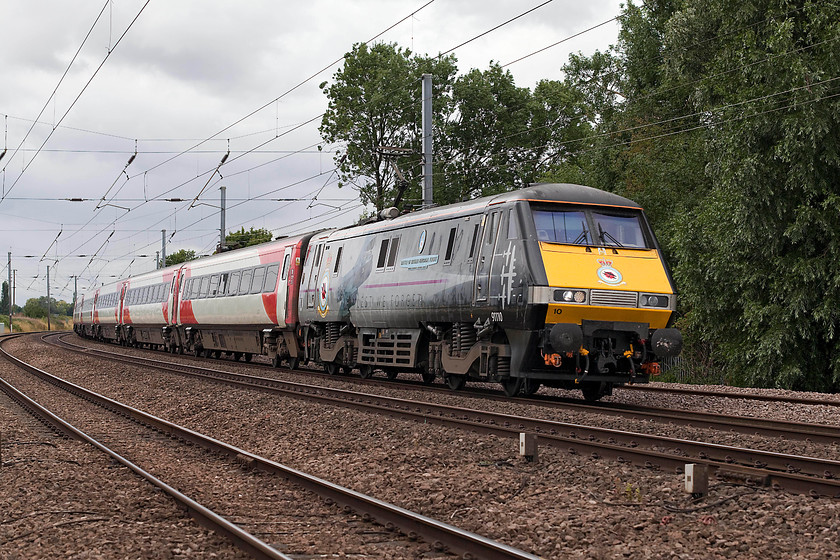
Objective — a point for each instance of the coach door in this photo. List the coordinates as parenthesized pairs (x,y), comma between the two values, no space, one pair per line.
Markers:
(122,302)
(283,302)
(173,297)
(312,279)
(484,258)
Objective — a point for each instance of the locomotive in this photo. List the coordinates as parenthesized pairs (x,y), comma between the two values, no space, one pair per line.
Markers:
(555,284)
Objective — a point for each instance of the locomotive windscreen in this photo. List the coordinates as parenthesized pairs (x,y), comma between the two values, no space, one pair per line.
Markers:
(621,231)
(562,227)
(590,227)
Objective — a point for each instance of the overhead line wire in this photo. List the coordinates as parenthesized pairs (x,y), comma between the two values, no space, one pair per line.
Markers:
(110,51)
(290,90)
(560,42)
(495,28)
(64,75)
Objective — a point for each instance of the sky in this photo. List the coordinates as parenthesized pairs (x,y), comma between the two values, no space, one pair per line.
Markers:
(172,87)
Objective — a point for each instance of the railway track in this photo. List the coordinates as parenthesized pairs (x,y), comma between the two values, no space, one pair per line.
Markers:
(728,395)
(794,473)
(128,429)
(817,433)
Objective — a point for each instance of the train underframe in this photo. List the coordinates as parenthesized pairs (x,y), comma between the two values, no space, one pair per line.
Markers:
(593,357)
(602,356)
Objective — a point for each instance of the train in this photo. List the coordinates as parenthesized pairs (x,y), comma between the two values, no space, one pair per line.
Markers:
(554,284)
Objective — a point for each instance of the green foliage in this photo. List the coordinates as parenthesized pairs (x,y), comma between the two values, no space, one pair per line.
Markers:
(721,118)
(718,118)
(4,299)
(36,308)
(242,238)
(180,256)
(767,228)
(374,101)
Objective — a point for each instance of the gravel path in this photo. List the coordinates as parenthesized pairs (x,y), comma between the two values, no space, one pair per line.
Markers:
(562,506)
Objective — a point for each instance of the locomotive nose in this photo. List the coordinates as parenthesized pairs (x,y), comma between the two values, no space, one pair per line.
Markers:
(666,343)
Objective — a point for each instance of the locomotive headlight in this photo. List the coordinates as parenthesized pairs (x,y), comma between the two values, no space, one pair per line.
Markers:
(654,300)
(570,296)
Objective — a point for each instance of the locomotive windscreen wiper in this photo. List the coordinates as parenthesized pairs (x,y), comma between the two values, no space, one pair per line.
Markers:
(604,234)
(583,237)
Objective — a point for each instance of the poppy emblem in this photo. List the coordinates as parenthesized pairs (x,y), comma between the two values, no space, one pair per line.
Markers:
(608,274)
(323,291)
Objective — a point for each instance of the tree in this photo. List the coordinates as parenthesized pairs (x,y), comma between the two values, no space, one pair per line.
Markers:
(5,299)
(374,102)
(36,308)
(242,238)
(766,289)
(180,256)
(485,146)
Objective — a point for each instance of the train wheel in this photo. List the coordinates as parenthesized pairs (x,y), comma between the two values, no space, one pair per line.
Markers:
(531,386)
(238,356)
(391,373)
(248,357)
(428,377)
(455,382)
(331,368)
(198,352)
(512,386)
(592,391)
(294,363)
(365,371)
(275,361)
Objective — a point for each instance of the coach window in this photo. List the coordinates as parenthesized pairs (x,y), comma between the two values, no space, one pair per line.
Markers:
(285,266)
(205,287)
(491,228)
(450,245)
(513,224)
(318,255)
(271,278)
(223,281)
(383,254)
(233,287)
(195,287)
(392,253)
(337,261)
(258,281)
(245,286)
(214,285)
(472,243)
